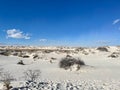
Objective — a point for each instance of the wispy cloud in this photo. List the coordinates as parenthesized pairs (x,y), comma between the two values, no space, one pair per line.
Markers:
(43,40)
(14,33)
(103,42)
(116,21)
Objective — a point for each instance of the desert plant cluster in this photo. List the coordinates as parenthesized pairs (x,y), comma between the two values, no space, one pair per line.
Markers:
(69,61)
(6,78)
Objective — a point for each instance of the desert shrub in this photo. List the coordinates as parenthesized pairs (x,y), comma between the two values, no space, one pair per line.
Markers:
(6,78)
(114,55)
(102,49)
(79,49)
(35,56)
(5,53)
(21,62)
(15,54)
(32,75)
(52,58)
(80,62)
(66,63)
(25,56)
(48,51)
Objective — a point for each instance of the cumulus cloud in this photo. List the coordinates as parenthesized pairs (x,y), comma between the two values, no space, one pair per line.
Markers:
(116,21)
(43,40)
(14,33)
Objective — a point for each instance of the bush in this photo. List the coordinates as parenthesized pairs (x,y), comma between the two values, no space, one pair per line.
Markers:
(25,56)
(52,58)
(102,49)
(5,53)
(66,63)
(114,55)
(48,51)
(79,49)
(35,56)
(32,75)
(6,78)
(15,54)
(21,62)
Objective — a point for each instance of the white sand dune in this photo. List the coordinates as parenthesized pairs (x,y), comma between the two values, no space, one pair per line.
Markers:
(101,73)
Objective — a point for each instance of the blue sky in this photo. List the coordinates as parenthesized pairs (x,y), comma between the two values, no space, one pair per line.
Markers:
(60,22)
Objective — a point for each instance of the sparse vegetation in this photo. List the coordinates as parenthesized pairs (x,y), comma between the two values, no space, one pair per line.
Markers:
(5,53)
(79,49)
(32,75)
(50,71)
(66,63)
(15,54)
(102,49)
(114,55)
(48,51)
(25,56)
(35,56)
(6,78)
(21,62)
(52,58)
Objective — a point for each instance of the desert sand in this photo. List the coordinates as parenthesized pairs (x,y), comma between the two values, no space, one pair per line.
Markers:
(100,73)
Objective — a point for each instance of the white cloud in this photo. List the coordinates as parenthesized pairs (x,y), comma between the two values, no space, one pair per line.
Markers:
(116,21)
(14,33)
(43,40)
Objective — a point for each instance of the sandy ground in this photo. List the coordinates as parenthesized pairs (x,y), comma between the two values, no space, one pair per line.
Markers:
(102,71)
